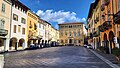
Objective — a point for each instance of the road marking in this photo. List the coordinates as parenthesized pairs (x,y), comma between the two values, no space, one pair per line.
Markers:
(105,60)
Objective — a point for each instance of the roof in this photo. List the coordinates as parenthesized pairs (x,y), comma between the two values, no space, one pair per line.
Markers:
(71,23)
(20,4)
(92,6)
(90,10)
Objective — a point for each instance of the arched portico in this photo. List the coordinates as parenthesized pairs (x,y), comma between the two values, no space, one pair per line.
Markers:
(13,44)
(111,41)
(21,43)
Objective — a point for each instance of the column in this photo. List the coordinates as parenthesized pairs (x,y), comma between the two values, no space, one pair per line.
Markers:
(6,44)
(1,61)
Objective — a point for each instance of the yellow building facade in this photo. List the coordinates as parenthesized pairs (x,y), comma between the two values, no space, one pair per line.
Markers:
(71,34)
(117,21)
(32,31)
(103,21)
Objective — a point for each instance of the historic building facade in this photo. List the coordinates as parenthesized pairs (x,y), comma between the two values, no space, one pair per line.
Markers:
(71,33)
(5,13)
(106,19)
(41,31)
(32,28)
(18,26)
(117,21)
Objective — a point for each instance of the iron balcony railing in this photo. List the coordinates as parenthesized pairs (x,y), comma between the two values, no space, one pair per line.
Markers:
(96,33)
(107,25)
(117,18)
(3,32)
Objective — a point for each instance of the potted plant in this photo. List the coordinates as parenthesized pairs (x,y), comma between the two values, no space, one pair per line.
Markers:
(116,52)
(101,48)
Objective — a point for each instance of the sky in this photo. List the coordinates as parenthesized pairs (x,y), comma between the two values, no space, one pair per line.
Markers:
(60,11)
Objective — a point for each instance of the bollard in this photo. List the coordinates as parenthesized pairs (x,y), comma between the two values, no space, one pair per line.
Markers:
(1,61)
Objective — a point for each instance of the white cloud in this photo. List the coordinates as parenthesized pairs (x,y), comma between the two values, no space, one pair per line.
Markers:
(59,16)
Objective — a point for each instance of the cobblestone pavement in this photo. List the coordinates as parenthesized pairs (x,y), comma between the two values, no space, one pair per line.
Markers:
(54,57)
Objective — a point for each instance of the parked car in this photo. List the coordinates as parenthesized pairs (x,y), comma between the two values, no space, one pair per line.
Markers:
(69,44)
(85,45)
(53,44)
(32,46)
(89,46)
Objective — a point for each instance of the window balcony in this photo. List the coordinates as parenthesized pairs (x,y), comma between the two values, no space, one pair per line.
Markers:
(96,33)
(102,7)
(3,32)
(107,2)
(117,18)
(101,28)
(107,25)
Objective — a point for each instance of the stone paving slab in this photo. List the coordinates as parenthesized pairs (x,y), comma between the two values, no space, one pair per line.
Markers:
(56,57)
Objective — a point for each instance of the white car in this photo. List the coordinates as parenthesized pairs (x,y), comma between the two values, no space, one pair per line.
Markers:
(85,45)
(89,46)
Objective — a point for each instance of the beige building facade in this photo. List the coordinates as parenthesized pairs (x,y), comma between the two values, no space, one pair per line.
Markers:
(71,33)
(5,13)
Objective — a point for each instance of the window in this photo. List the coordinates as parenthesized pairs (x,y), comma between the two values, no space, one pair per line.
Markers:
(43,27)
(23,30)
(79,41)
(30,25)
(1,42)
(35,26)
(15,17)
(15,28)
(66,33)
(70,34)
(19,28)
(3,7)
(23,20)
(75,41)
(74,34)
(66,41)
(2,22)
(119,5)
(78,33)
(62,41)
(39,25)
(103,1)
(109,15)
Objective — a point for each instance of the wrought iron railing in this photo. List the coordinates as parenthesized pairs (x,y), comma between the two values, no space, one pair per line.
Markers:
(3,32)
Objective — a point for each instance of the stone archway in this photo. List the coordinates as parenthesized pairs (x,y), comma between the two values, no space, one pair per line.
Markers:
(111,41)
(21,41)
(13,43)
(106,44)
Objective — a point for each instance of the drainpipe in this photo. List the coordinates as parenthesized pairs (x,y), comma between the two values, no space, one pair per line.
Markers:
(10,22)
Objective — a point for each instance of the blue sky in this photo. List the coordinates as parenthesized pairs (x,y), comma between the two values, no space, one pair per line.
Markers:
(60,11)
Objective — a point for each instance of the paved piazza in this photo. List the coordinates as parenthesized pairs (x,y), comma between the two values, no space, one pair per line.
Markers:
(54,57)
